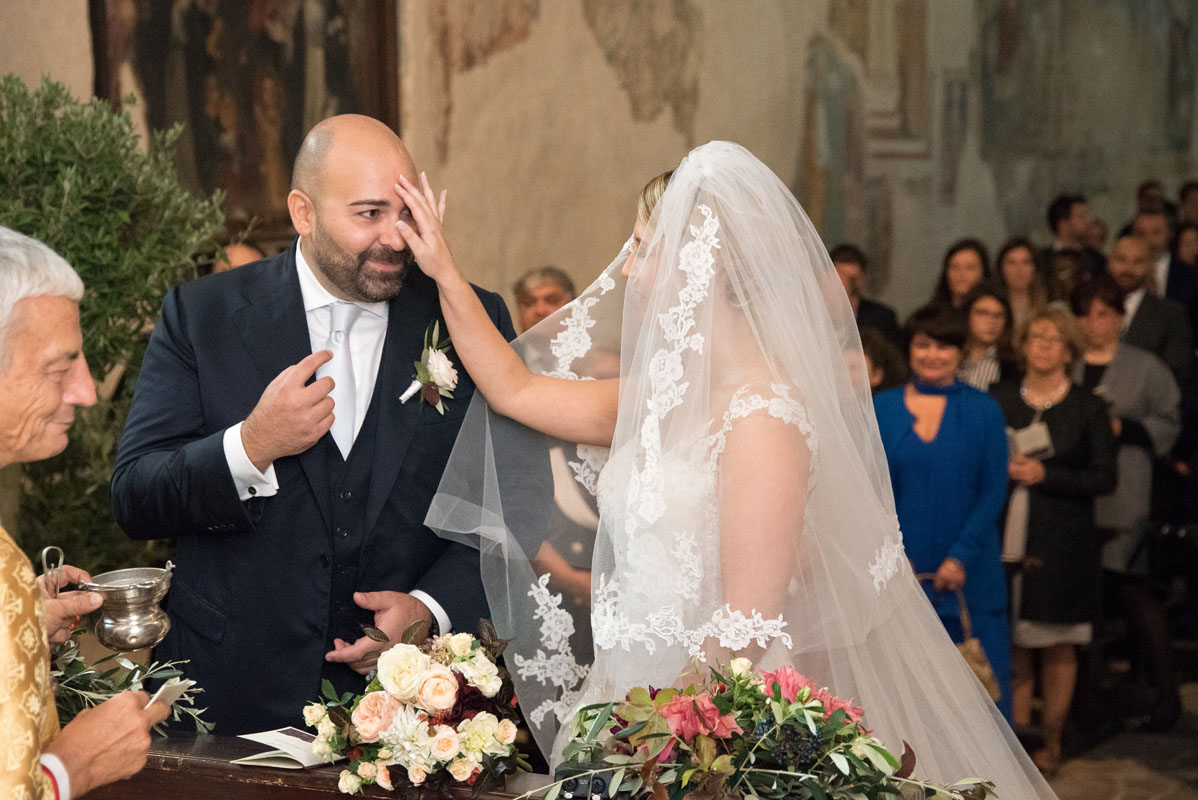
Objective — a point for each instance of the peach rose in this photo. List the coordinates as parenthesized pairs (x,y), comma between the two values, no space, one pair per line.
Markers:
(374,715)
(506,733)
(438,689)
(446,743)
(383,776)
(416,774)
(462,769)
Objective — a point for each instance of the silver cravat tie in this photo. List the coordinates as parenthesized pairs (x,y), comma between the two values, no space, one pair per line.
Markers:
(341,370)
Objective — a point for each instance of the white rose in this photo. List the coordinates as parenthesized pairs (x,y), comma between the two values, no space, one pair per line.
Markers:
(437,689)
(741,666)
(367,770)
(460,644)
(490,685)
(446,743)
(349,782)
(461,769)
(385,754)
(478,734)
(321,747)
(400,669)
(506,732)
(416,775)
(440,368)
(326,728)
(313,714)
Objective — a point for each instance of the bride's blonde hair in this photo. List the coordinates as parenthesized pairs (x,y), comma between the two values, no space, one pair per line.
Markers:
(652,192)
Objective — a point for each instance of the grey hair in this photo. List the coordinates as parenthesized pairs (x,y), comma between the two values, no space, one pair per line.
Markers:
(29,268)
(537,277)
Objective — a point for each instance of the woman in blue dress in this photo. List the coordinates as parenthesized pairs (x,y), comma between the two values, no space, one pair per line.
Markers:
(947,450)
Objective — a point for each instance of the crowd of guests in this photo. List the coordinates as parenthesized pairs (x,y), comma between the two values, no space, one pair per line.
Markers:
(1040,419)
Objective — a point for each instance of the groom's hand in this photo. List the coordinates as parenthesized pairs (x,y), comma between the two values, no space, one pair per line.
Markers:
(291,414)
(394,612)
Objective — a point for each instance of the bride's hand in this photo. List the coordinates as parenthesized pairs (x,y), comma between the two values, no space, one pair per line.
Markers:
(425,239)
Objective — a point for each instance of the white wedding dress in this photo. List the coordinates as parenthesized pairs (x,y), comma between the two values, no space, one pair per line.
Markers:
(746,505)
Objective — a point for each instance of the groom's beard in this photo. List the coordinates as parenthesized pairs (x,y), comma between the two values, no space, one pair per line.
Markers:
(351,273)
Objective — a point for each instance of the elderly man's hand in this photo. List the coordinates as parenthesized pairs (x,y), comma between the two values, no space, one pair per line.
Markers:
(63,609)
(394,612)
(63,612)
(107,743)
(291,415)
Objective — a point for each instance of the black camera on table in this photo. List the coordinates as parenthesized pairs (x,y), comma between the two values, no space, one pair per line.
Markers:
(580,781)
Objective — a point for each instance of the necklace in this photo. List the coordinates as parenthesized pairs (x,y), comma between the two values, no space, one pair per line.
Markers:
(1045,403)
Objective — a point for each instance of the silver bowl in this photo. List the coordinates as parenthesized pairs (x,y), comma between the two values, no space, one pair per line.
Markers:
(131,617)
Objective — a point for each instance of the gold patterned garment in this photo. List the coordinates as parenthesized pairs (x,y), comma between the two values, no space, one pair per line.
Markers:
(28,720)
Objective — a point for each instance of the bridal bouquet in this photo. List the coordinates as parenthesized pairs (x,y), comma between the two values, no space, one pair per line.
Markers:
(740,733)
(443,713)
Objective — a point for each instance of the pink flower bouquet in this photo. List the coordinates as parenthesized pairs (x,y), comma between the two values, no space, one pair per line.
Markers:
(433,716)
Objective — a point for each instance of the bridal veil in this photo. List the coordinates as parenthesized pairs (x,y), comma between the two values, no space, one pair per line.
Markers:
(744,504)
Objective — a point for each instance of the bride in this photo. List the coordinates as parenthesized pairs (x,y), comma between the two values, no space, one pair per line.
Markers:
(709,389)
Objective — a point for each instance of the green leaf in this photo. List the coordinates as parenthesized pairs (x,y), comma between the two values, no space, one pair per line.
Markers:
(840,761)
(553,791)
(600,722)
(630,730)
(328,692)
(616,780)
(374,634)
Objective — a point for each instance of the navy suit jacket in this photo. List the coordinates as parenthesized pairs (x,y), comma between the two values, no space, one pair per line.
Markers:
(1181,287)
(251,594)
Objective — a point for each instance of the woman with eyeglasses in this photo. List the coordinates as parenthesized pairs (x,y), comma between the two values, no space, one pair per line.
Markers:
(1062,458)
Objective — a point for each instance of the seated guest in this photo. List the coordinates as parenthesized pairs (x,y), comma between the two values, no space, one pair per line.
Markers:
(1019,276)
(966,265)
(1156,324)
(988,356)
(947,450)
(43,378)
(851,265)
(1063,456)
(1143,402)
(1069,221)
(540,292)
(884,365)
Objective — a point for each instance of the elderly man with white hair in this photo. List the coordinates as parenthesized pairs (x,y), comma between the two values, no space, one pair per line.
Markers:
(43,377)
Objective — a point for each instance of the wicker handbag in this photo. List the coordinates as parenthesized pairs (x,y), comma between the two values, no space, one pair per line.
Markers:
(971,649)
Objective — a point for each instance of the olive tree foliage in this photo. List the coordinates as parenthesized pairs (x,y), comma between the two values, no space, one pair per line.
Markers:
(75,175)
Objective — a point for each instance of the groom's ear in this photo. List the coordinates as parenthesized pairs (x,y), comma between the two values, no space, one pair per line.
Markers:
(302,210)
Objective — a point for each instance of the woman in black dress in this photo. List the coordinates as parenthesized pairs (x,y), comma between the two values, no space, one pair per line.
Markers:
(1063,456)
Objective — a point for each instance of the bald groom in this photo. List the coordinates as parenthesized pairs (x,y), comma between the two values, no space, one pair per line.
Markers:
(268,437)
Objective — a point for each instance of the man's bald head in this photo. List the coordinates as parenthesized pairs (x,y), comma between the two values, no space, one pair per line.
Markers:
(344,206)
(335,139)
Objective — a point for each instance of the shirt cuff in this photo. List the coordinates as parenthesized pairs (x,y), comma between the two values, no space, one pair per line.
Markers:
(62,781)
(246,477)
(435,607)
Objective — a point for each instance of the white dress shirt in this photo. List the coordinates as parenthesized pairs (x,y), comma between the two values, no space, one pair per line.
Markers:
(1131,304)
(1161,272)
(366,349)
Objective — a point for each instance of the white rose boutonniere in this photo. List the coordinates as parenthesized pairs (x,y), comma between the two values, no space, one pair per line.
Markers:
(436,376)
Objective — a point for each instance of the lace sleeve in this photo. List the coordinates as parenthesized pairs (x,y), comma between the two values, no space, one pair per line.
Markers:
(765,452)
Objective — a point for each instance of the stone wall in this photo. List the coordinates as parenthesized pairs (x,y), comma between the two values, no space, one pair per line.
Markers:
(900,124)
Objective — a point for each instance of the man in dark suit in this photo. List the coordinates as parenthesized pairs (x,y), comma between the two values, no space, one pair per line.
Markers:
(297,504)
(1068,261)
(1169,277)
(1153,323)
(851,266)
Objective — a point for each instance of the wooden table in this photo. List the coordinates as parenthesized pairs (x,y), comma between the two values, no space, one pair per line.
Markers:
(198,767)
